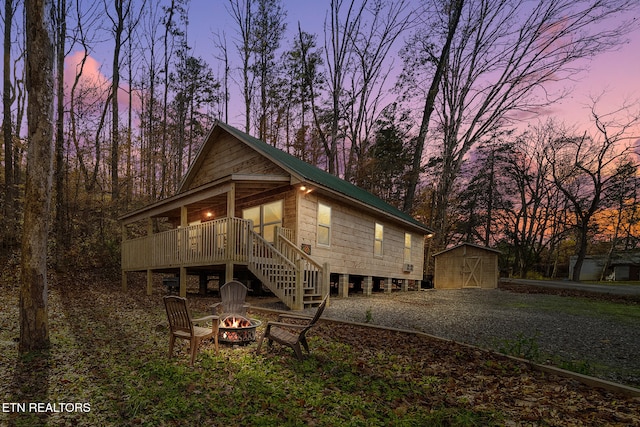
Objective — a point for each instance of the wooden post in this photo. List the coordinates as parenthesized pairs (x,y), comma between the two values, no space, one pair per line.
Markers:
(343,285)
(231,201)
(149,281)
(404,285)
(124,273)
(183,282)
(388,284)
(367,286)
(184,222)
(298,299)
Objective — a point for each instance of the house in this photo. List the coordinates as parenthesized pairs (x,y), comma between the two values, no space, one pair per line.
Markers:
(248,210)
(466,266)
(622,266)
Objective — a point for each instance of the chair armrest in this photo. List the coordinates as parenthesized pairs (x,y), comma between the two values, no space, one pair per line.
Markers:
(286,325)
(205,319)
(215,307)
(284,316)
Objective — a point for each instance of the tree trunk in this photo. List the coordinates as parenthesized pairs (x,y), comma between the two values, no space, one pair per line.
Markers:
(34,330)
(60,205)
(429,105)
(9,233)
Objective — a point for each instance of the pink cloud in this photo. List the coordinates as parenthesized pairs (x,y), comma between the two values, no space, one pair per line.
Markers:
(93,77)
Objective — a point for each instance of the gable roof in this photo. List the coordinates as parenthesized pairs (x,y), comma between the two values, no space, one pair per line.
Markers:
(304,172)
(485,248)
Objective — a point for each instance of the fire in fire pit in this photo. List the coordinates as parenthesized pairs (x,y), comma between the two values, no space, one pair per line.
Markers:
(235,329)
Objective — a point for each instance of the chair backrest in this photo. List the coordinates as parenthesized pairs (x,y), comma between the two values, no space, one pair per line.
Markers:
(233,295)
(178,314)
(316,316)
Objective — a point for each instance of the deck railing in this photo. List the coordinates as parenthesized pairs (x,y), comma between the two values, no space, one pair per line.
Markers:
(314,275)
(222,240)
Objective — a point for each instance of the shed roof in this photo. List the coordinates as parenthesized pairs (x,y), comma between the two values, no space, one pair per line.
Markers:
(308,173)
(486,248)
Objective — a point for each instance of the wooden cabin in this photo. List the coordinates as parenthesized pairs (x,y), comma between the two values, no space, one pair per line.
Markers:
(246,209)
(466,266)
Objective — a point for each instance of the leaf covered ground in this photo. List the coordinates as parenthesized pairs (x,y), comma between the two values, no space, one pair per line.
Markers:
(109,350)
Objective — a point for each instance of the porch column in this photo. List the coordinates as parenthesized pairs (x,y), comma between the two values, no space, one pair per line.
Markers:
(367,286)
(404,285)
(231,201)
(230,248)
(388,284)
(343,285)
(184,222)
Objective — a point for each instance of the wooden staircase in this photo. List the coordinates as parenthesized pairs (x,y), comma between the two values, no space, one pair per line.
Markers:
(287,271)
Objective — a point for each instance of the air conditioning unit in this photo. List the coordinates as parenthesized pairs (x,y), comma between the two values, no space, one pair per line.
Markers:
(407,268)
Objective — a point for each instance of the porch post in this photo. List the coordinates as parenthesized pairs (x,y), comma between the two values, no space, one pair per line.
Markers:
(388,284)
(184,222)
(231,232)
(231,201)
(367,286)
(343,285)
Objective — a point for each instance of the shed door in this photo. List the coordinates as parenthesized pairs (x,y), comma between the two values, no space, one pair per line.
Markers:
(471,272)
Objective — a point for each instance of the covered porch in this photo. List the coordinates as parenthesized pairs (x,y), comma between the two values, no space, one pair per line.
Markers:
(204,233)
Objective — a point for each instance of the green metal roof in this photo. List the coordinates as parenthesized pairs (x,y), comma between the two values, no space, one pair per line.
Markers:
(309,173)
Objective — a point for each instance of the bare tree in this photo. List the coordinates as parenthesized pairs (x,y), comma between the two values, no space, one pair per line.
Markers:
(34,329)
(383,24)
(586,170)
(453,11)
(240,11)
(8,98)
(503,57)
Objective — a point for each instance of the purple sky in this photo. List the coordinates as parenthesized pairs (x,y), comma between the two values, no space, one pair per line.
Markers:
(614,75)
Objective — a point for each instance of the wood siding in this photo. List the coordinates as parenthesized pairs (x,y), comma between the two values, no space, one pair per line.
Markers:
(466,266)
(229,156)
(352,241)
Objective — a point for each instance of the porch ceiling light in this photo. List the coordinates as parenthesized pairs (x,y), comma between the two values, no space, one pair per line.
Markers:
(209,215)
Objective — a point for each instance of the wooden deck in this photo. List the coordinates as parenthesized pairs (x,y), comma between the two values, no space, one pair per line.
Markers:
(286,270)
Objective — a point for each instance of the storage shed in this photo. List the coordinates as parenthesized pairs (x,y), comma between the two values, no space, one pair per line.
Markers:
(466,266)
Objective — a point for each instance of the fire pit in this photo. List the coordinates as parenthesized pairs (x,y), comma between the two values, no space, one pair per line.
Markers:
(236,329)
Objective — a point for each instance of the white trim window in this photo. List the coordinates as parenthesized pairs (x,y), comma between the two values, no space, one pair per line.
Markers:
(407,248)
(324,225)
(378,244)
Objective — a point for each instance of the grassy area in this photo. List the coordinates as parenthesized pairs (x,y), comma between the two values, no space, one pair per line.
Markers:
(109,352)
(589,307)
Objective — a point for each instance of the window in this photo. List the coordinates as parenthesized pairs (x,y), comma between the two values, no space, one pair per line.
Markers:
(265,219)
(324,224)
(378,240)
(407,248)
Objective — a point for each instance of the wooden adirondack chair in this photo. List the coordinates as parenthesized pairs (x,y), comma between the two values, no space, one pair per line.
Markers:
(233,295)
(182,326)
(291,334)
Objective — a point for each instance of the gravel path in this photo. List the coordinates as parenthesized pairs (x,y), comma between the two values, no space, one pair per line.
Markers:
(490,318)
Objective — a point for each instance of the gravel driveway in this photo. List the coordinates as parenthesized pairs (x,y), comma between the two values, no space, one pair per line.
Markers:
(569,333)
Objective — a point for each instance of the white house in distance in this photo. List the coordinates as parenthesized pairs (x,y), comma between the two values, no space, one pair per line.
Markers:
(248,210)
